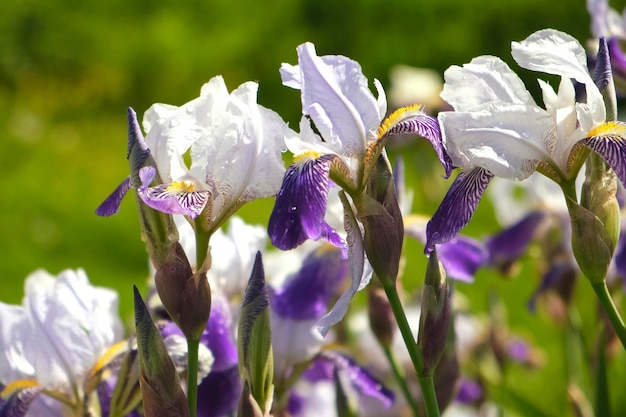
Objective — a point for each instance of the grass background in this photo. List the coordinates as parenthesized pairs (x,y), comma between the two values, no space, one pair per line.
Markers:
(69,70)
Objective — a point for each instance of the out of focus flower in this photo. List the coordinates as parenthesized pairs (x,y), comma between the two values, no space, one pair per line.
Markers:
(53,345)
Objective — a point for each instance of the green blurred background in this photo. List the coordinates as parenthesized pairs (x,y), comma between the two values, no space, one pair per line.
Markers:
(69,69)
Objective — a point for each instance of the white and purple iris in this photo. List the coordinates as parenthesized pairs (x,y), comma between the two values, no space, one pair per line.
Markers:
(497,129)
(211,155)
(349,120)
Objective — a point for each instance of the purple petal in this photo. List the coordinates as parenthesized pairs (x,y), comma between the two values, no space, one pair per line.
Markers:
(519,351)
(457,207)
(307,294)
(218,393)
(559,273)
(300,205)
(15,401)
(461,257)
(609,141)
(412,120)
(219,338)
(111,205)
(362,381)
(159,198)
(619,258)
(618,59)
(470,391)
(510,244)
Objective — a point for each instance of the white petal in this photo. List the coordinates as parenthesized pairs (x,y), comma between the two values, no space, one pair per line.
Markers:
(13,329)
(558,53)
(294,341)
(483,80)
(71,325)
(506,140)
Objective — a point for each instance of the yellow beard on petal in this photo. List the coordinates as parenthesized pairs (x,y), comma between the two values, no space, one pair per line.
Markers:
(184,186)
(305,156)
(608,129)
(393,118)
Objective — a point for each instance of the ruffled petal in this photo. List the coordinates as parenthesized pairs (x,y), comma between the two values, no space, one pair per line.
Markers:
(506,140)
(335,94)
(461,257)
(457,207)
(485,79)
(510,244)
(609,141)
(300,206)
(162,198)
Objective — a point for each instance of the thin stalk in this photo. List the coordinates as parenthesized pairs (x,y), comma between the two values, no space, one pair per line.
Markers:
(399,375)
(192,375)
(426,382)
(611,311)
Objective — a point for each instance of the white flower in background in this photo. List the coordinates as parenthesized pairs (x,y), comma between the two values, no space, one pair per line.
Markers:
(59,336)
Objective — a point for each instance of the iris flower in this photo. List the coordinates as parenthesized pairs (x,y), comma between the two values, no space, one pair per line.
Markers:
(212,154)
(349,120)
(55,344)
(497,129)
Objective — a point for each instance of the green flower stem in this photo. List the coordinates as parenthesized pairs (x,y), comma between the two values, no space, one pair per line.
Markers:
(192,375)
(611,311)
(202,248)
(426,382)
(399,375)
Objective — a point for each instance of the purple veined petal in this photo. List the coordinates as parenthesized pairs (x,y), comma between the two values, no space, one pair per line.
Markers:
(300,206)
(511,243)
(356,258)
(413,120)
(457,207)
(111,204)
(218,393)
(609,141)
(162,199)
(362,381)
(16,398)
(307,293)
(461,257)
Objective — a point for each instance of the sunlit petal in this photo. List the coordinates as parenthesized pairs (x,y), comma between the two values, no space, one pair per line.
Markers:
(609,141)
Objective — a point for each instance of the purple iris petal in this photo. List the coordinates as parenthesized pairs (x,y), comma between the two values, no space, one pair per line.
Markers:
(470,391)
(619,258)
(300,205)
(611,146)
(510,244)
(457,207)
(111,205)
(17,403)
(461,257)
(618,59)
(188,204)
(307,294)
(219,392)
(427,127)
(362,381)
(218,337)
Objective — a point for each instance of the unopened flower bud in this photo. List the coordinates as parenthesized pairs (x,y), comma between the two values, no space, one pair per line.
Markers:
(186,296)
(435,317)
(382,321)
(380,214)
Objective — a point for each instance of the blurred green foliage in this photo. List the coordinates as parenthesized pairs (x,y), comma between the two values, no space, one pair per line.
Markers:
(69,69)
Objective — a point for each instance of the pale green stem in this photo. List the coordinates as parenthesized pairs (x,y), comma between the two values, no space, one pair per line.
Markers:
(611,311)
(192,375)
(426,381)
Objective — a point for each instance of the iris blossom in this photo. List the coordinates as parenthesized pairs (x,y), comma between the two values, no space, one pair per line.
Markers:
(352,134)
(212,154)
(497,129)
(56,344)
